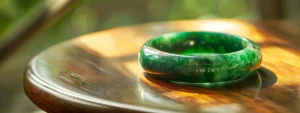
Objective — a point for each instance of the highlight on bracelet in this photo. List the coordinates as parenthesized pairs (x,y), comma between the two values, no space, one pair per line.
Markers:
(200,57)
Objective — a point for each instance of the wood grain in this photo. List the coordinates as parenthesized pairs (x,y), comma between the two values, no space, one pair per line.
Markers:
(100,72)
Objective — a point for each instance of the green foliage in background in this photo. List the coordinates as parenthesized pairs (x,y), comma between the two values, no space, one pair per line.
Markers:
(12,11)
(94,15)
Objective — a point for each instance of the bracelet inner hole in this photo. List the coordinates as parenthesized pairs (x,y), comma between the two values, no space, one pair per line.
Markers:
(192,43)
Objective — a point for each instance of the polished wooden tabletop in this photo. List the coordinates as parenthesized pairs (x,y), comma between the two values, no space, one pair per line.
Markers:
(99,72)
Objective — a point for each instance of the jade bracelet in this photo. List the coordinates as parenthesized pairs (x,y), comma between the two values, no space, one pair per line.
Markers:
(202,57)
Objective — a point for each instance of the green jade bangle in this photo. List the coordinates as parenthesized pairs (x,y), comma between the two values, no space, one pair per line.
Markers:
(201,57)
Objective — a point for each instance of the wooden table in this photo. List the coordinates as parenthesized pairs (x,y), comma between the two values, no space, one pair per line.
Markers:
(99,72)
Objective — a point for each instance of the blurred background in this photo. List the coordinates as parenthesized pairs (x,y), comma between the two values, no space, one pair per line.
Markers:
(27,27)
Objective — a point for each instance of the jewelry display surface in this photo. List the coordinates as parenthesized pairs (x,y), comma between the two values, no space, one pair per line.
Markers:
(100,72)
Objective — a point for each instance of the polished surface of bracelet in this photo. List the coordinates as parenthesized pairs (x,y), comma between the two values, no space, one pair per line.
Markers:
(203,57)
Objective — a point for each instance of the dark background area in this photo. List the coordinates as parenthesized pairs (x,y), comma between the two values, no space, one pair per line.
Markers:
(93,15)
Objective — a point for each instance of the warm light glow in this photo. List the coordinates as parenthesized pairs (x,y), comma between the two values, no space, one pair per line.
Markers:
(192,43)
(133,67)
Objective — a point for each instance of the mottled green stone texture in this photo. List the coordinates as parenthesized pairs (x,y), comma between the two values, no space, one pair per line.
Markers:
(203,57)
